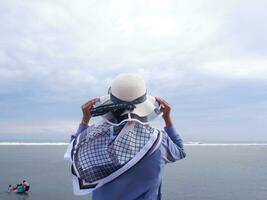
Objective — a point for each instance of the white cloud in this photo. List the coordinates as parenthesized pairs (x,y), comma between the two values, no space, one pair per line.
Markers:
(240,69)
(64,44)
(61,50)
(65,127)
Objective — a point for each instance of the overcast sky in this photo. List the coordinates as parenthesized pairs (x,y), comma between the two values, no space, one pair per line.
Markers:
(207,58)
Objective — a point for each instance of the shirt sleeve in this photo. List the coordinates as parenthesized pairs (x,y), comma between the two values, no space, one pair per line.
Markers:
(67,155)
(172,146)
(81,128)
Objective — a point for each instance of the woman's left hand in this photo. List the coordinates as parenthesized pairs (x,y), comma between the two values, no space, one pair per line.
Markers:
(166,110)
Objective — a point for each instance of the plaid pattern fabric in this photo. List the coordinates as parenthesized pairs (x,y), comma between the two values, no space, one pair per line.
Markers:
(97,154)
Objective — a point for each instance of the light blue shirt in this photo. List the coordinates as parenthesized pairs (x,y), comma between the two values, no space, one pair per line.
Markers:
(143,181)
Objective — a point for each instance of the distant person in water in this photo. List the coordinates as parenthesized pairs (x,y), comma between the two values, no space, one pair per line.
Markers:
(122,157)
(26,185)
(10,188)
(20,188)
(17,188)
(14,189)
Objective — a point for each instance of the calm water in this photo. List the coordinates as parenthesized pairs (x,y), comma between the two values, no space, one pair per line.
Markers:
(208,173)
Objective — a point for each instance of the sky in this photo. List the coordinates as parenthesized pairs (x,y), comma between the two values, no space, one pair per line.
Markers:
(207,58)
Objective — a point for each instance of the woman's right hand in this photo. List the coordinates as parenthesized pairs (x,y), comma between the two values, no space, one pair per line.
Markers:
(86,109)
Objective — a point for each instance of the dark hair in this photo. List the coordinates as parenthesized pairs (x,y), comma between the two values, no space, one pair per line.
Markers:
(24,181)
(117,114)
(9,186)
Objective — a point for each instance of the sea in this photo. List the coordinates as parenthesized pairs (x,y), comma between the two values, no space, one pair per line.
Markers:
(210,171)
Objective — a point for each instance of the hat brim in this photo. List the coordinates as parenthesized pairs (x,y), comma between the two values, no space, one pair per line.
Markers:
(143,113)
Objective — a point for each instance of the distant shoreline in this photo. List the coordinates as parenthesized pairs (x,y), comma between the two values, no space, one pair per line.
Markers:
(186,144)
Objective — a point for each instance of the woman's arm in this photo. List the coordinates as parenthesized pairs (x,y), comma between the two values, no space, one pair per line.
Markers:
(80,129)
(172,144)
(86,110)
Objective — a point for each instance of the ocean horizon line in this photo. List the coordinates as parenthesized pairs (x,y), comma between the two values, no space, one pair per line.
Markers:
(185,143)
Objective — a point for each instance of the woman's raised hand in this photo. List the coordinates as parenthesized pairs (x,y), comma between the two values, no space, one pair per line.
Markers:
(86,109)
(166,110)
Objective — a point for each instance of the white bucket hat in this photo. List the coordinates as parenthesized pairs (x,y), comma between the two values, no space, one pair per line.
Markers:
(128,92)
